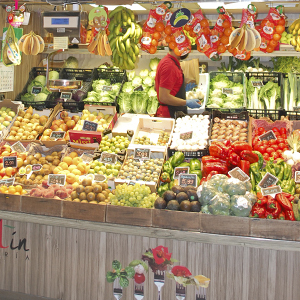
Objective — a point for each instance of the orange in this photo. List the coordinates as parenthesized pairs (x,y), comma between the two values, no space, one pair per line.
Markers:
(204,23)
(154,42)
(226,24)
(176,51)
(168,30)
(270,49)
(172,45)
(68,160)
(18,188)
(206,30)
(73,154)
(152,49)
(276,37)
(225,39)
(280,29)
(281,22)
(159,26)
(186,27)
(221,48)
(273,43)
(156,35)
(168,38)
(227,31)
(11,189)
(172,38)
(3,188)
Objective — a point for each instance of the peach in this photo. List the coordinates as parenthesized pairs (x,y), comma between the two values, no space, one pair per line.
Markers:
(54,127)
(64,114)
(70,178)
(77,160)
(76,172)
(64,127)
(66,119)
(57,170)
(72,167)
(76,118)
(63,165)
(82,168)
(47,132)
(73,154)
(68,160)
(71,124)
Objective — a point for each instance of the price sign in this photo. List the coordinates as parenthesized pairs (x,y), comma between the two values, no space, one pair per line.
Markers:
(10,161)
(257,83)
(99,178)
(108,158)
(36,90)
(7,182)
(186,135)
(30,169)
(131,183)
(180,170)
(55,135)
(188,179)
(59,179)
(66,95)
(227,91)
(89,126)
(297,176)
(267,181)
(142,153)
(239,174)
(269,135)
(36,168)
(87,158)
(107,88)
(18,147)
(273,190)
(139,88)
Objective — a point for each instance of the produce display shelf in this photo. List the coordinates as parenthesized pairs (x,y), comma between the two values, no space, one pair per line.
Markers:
(272,114)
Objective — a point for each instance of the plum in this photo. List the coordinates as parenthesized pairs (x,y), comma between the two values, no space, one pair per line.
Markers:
(49,193)
(45,184)
(62,194)
(36,192)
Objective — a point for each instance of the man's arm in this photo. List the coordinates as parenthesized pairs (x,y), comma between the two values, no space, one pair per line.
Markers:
(166,98)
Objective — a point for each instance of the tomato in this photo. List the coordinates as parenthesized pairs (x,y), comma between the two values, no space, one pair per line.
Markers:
(275,155)
(281,21)
(272,142)
(152,49)
(139,278)
(285,149)
(269,150)
(275,147)
(282,130)
(275,129)
(279,152)
(284,136)
(266,156)
(277,133)
(265,142)
(273,43)
(281,146)
(255,141)
(280,140)
(262,149)
(269,49)
(260,130)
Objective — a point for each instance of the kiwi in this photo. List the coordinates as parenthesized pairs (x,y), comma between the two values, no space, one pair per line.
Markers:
(189,187)
(74,195)
(105,193)
(97,189)
(76,200)
(195,206)
(56,162)
(104,185)
(177,189)
(169,195)
(82,196)
(54,153)
(79,189)
(37,156)
(90,197)
(49,158)
(34,161)
(88,189)
(192,195)
(100,197)
(30,158)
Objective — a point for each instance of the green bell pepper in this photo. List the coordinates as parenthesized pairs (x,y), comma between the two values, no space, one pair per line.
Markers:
(254,168)
(260,159)
(197,172)
(195,164)
(281,172)
(167,167)
(163,188)
(287,171)
(253,182)
(184,164)
(177,159)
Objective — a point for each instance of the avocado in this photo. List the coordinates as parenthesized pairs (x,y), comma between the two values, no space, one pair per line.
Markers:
(173,205)
(189,187)
(195,206)
(185,205)
(192,195)
(160,203)
(169,195)
(181,197)
(177,189)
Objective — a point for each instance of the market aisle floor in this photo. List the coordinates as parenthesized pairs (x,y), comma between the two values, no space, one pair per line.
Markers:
(7,295)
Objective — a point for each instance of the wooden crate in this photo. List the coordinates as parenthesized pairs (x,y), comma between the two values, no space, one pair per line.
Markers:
(83,211)
(275,229)
(180,220)
(10,202)
(134,216)
(41,206)
(227,225)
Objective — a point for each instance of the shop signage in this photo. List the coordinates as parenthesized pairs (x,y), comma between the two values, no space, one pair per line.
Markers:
(10,161)
(227,91)
(297,176)
(66,95)
(188,179)
(87,158)
(268,180)
(107,88)
(180,17)
(180,170)
(139,88)
(142,153)
(18,147)
(7,182)
(186,135)
(257,83)
(108,158)
(89,126)
(269,135)
(36,90)
(99,177)
(59,179)
(272,190)
(239,174)
(55,135)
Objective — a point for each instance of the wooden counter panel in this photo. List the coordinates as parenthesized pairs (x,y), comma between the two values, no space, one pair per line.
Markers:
(83,211)
(10,202)
(181,220)
(129,215)
(41,206)
(224,225)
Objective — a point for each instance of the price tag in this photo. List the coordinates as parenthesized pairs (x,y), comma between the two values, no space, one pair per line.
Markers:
(267,181)
(89,126)
(66,95)
(87,158)
(257,83)
(273,190)
(36,90)
(107,88)
(297,176)
(55,135)
(99,178)
(186,135)
(7,182)
(18,147)
(142,153)
(59,179)
(180,170)
(188,179)
(36,168)
(10,161)
(139,88)
(108,158)
(269,135)
(239,174)
(227,91)
(30,169)
(131,183)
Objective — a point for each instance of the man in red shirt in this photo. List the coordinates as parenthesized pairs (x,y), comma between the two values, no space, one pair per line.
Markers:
(170,87)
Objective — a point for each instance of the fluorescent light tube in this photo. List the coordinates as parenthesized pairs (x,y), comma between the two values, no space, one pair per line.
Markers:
(210,5)
(134,6)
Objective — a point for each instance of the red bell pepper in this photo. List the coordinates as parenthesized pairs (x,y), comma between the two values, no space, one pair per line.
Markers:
(284,202)
(227,143)
(250,156)
(244,165)
(271,204)
(281,216)
(289,215)
(269,215)
(214,166)
(233,158)
(238,147)
(258,211)
(262,201)
(275,212)
(288,196)
(208,159)
(219,150)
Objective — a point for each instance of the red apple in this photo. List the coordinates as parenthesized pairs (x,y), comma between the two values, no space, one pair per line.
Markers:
(64,127)
(66,119)
(54,127)
(76,118)
(63,114)
(71,124)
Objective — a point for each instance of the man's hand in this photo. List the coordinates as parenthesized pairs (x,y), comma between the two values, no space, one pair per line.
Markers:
(193,103)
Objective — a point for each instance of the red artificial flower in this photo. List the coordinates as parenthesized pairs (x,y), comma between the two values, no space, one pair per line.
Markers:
(181,271)
(161,254)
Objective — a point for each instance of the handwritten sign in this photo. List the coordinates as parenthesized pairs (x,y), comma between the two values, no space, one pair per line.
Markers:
(99,178)
(107,88)
(186,135)
(59,179)
(55,135)
(108,158)
(89,126)
(188,179)
(139,88)
(7,182)
(180,170)
(66,95)
(87,158)
(267,181)
(297,176)
(10,161)
(142,153)
(269,135)
(18,147)
(272,190)
(239,174)
(36,90)
(36,168)
(257,83)
(227,91)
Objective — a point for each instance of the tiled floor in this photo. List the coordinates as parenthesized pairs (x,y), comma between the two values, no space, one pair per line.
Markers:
(7,295)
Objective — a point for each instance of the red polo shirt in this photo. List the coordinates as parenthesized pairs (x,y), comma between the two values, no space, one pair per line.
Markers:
(168,75)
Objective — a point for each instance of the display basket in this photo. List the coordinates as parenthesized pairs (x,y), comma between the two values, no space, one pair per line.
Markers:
(272,114)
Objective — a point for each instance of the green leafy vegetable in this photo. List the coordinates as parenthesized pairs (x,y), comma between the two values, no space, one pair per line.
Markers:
(154,63)
(152,105)
(53,75)
(139,102)
(286,64)
(42,79)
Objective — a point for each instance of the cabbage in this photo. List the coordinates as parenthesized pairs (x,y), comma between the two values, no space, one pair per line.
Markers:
(27,97)
(137,81)
(148,81)
(152,105)
(139,102)
(144,73)
(41,79)
(53,75)
(41,97)
(153,63)
(71,62)
(152,92)
(130,75)
(152,74)
(127,88)
(32,84)
(124,103)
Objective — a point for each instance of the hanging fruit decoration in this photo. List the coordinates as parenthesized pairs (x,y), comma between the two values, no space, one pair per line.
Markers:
(31,44)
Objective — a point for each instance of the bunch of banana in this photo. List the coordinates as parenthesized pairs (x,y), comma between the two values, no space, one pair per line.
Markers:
(31,44)
(294,29)
(245,38)
(124,36)
(100,45)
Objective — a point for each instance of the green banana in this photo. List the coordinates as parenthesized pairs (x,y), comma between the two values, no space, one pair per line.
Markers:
(111,26)
(111,36)
(132,31)
(113,12)
(117,29)
(124,15)
(127,45)
(127,34)
(121,46)
(133,57)
(130,63)
(136,50)
(112,43)
(118,48)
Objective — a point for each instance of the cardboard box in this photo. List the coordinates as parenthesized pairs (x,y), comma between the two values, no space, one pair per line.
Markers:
(10,202)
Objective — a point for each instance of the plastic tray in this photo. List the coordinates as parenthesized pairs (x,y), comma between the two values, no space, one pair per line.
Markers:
(38,105)
(273,114)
